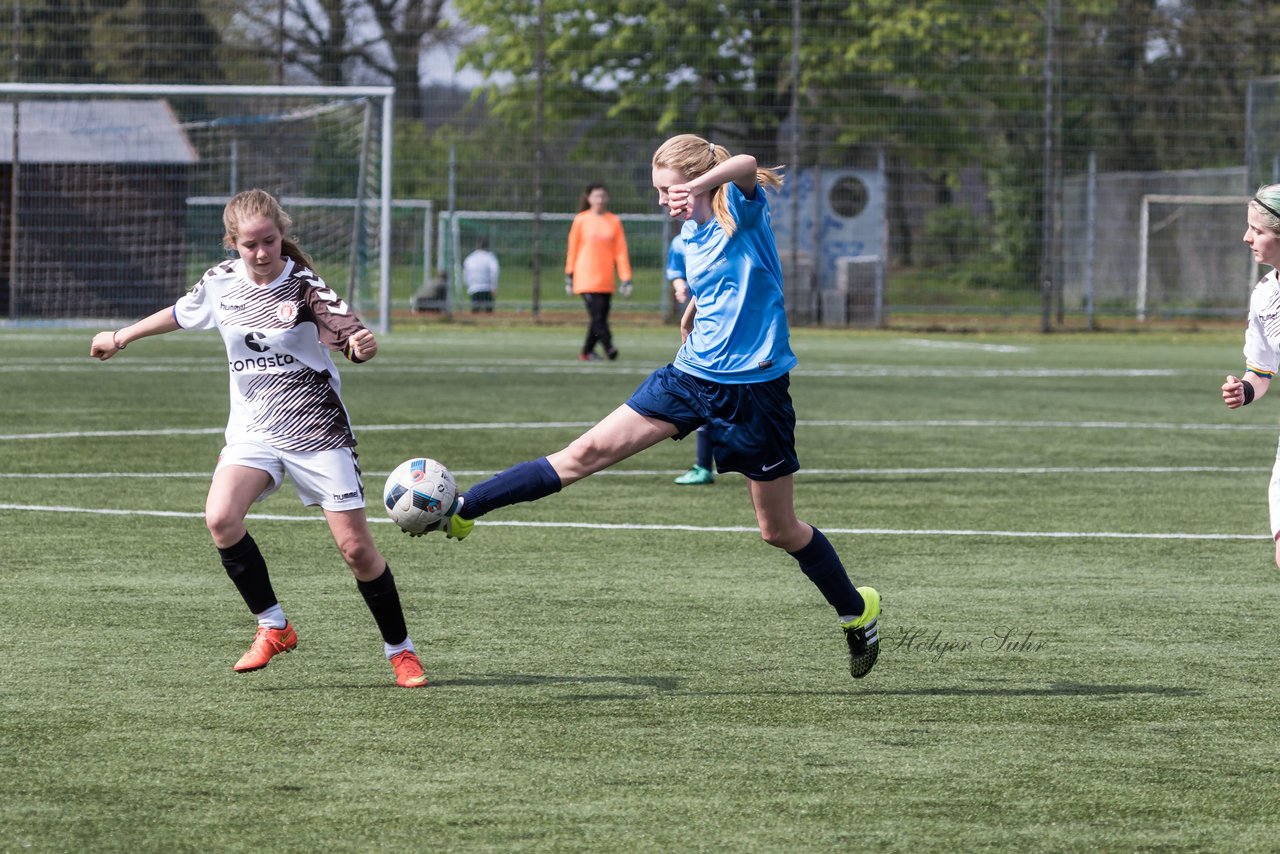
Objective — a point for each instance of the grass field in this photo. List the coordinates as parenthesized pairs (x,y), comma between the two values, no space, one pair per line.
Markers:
(1070,533)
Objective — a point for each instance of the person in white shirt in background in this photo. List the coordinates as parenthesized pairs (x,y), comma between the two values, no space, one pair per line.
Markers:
(480,273)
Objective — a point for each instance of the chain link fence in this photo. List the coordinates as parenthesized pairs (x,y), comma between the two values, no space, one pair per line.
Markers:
(943,156)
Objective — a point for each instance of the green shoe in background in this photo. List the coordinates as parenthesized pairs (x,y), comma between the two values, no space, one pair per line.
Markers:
(696,475)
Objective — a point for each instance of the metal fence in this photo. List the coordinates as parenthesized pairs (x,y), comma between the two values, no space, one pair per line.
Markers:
(997,153)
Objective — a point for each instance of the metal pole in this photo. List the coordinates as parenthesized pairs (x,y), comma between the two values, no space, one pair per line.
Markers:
(794,165)
(428,257)
(1144,226)
(447,253)
(1250,147)
(280,43)
(357,221)
(539,61)
(1046,189)
(13,169)
(14,176)
(1090,224)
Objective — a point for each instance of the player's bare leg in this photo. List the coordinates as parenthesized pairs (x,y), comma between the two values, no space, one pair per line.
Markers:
(859,610)
(350,529)
(620,434)
(231,493)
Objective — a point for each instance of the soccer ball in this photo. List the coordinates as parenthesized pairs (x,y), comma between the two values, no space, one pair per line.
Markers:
(419,494)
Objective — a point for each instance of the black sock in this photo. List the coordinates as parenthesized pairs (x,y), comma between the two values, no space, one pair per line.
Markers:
(819,561)
(384,603)
(248,571)
(704,449)
(522,482)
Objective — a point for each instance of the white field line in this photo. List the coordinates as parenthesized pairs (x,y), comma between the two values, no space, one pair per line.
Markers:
(730,529)
(854,424)
(853,472)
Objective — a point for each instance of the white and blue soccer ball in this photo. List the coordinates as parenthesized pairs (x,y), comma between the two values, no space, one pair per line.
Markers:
(419,495)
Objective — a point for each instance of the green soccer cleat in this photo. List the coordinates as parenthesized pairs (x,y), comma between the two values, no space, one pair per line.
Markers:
(458,528)
(453,525)
(863,636)
(696,475)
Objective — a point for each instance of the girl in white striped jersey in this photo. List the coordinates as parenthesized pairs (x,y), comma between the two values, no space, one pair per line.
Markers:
(1262,335)
(279,321)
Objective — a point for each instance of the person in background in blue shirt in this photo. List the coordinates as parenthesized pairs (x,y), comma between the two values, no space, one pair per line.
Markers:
(702,471)
(731,373)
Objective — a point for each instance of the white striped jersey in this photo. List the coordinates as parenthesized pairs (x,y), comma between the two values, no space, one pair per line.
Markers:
(284,385)
(1262,336)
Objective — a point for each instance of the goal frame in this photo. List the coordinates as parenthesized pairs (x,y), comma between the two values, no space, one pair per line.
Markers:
(385,93)
(1144,235)
(449,240)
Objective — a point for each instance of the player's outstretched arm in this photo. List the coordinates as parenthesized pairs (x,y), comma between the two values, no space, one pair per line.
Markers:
(107,344)
(1234,391)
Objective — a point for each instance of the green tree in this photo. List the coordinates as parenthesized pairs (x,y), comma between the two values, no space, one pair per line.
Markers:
(156,41)
(646,68)
(52,43)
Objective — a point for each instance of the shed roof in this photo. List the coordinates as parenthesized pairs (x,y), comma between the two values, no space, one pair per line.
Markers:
(97,131)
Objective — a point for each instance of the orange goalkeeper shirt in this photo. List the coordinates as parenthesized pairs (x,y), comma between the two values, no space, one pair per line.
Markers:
(596,246)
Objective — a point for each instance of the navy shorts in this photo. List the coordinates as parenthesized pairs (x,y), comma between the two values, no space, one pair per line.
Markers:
(752,426)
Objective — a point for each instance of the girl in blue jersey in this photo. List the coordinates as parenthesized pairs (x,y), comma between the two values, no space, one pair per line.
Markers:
(730,374)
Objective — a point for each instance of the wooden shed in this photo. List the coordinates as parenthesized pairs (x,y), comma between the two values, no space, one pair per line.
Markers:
(92,208)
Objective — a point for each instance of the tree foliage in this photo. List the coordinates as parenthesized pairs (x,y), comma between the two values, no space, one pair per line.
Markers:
(120,41)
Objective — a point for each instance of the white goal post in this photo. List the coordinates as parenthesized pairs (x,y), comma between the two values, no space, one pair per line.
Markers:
(1219,246)
(122,180)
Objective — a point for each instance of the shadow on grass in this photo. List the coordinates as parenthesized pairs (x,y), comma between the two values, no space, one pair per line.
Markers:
(512,680)
(1057,689)
(671,685)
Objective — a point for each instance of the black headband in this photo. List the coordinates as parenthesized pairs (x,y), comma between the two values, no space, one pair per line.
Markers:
(1266,207)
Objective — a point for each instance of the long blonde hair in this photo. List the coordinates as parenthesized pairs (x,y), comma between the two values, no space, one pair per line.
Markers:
(692,156)
(255,202)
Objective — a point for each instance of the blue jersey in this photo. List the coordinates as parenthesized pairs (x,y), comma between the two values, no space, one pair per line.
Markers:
(675,259)
(740,332)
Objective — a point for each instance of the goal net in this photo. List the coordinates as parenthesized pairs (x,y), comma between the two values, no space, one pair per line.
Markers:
(1191,259)
(111,196)
(510,236)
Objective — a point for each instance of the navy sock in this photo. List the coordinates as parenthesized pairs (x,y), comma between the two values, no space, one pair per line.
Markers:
(819,561)
(522,482)
(704,448)
(248,571)
(384,603)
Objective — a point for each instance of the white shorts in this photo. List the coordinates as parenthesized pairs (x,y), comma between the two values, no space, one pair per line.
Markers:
(330,479)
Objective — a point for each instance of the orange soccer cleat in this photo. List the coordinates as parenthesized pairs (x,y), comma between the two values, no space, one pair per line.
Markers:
(408,670)
(267,643)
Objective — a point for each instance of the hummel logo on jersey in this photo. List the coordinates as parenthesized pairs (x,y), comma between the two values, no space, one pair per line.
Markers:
(231,306)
